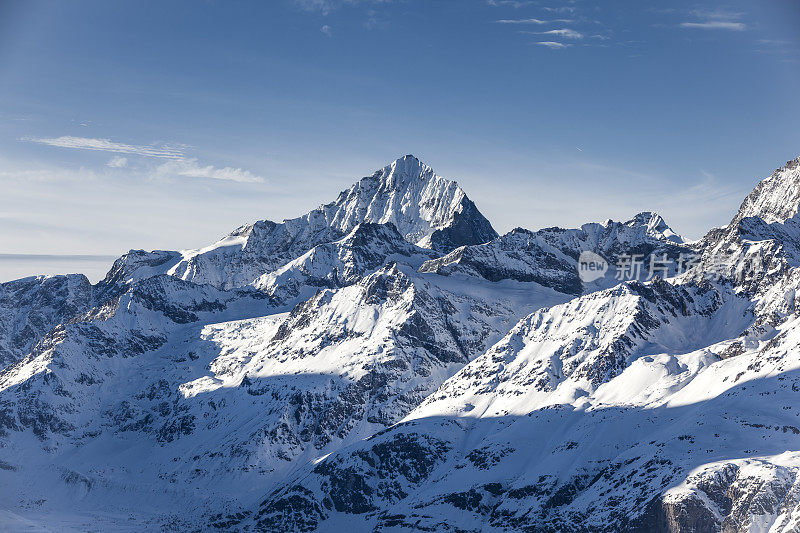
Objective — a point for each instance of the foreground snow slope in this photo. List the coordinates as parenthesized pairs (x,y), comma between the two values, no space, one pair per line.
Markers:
(682,442)
(241,403)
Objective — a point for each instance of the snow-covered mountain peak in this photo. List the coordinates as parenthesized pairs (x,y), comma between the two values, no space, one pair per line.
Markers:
(404,170)
(762,241)
(340,263)
(656,226)
(776,198)
(643,226)
(427,210)
(550,256)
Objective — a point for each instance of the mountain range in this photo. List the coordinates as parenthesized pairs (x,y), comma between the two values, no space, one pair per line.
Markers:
(388,362)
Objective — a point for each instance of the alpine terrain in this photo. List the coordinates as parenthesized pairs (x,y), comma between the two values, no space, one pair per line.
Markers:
(388,362)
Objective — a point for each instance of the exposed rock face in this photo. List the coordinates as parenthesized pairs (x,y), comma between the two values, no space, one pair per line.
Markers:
(31,307)
(775,199)
(387,362)
(744,495)
(341,263)
(550,256)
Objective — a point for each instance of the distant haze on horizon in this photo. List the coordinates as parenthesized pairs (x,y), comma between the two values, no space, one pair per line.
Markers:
(547,114)
(16,266)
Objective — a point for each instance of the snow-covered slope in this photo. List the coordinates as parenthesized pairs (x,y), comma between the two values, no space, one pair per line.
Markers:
(341,263)
(695,441)
(776,198)
(386,362)
(550,256)
(31,307)
(664,406)
(243,403)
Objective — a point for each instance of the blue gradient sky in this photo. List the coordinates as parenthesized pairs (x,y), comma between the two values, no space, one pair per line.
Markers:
(167,124)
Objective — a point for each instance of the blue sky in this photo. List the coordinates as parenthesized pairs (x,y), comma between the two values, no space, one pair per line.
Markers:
(167,124)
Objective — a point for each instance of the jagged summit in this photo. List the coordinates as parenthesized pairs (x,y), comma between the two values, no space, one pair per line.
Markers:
(644,224)
(656,226)
(404,169)
(550,256)
(427,209)
(762,241)
(776,198)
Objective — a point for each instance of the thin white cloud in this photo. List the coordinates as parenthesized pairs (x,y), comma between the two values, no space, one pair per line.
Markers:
(531,21)
(562,9)
(325,7)
(718,19)
(553,45)
(189,168)
(566,33)
(374,20)
(717,14)
(117,162)
(326,30)
(516,4)
(715,25)
(107,145)
(178,164)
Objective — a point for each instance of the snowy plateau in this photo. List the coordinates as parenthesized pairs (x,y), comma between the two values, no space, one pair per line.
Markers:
(388,362)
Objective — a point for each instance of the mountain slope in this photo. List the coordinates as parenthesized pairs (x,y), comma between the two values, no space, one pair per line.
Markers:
(387,362)
(341,263)
(696,450)
(150,371)
(550,256)
(664,406)
(31,307)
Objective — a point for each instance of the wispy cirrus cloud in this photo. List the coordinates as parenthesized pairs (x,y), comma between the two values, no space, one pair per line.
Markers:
(368,8)
(553,45)
(552,27)
(323,6)
(117,162)
(565,33)
(560,9)
(718,19)
(516,4)
(178,163)
(190,168)
(532,21)
(107,145)
(326,6)
(715,25)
